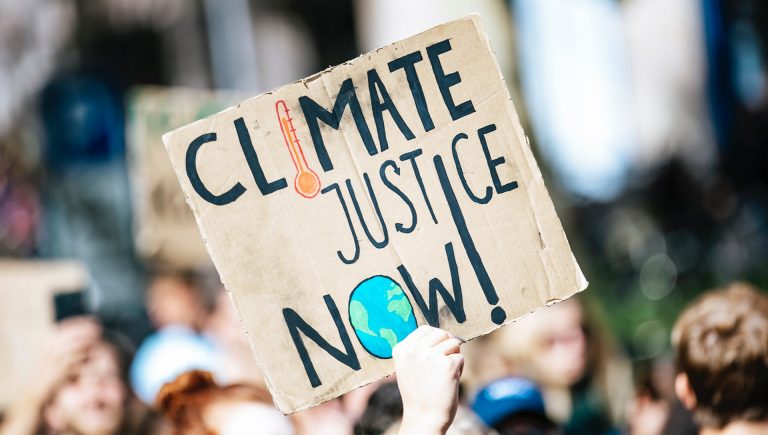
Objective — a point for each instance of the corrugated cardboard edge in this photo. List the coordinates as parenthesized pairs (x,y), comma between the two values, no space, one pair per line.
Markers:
(538,180)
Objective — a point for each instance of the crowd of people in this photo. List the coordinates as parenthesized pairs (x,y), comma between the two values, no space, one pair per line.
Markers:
(552,372)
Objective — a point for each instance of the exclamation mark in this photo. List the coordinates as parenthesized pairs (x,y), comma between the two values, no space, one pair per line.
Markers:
(498,315)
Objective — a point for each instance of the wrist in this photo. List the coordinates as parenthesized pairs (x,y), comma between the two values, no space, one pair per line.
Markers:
(422,424)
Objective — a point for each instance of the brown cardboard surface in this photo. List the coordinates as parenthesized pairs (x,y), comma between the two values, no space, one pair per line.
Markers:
(486,247)
(27,315)
(164,227)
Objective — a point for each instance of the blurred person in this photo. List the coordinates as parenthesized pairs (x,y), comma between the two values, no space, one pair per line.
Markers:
(179,305)
(655,409)
(329,418)
(585,383)
(428,364)
(198,329)
(464,423)
(721,344)
(680,421)
(385,409)
(234,363)
(235,358)
(467,422)
(385,412)
(648,412)
(356,401)
(195,404)
(166,354)
(80,387)
(178,299)
(514,406)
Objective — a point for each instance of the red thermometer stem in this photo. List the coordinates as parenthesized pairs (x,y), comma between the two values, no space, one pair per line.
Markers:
(306,183)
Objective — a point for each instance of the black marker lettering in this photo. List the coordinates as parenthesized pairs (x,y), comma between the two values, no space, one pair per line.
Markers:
(383,174)
(493,163)
(356,255)
(265,187)
(470,194)
(194,177)
(314,112)
(297,325)
(412,157)
(445,81)
(378,106)
(454,301)
(355,203)
(406,63)
(498,315)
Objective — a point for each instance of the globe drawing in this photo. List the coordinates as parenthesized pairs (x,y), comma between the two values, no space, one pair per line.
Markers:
(381,315)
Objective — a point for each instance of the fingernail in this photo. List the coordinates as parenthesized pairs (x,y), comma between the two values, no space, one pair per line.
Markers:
(461,339)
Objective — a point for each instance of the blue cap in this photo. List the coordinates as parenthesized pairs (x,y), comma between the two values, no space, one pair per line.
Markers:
(505,397)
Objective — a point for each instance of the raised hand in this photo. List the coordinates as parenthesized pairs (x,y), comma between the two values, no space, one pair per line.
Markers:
(428,364)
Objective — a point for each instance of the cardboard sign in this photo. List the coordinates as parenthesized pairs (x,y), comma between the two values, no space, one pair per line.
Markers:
(27,315)
(394,190)
(164,227)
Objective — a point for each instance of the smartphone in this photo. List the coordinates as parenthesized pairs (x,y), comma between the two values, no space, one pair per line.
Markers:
(70,304)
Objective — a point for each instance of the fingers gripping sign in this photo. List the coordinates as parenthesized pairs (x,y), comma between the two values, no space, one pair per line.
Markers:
(428,364)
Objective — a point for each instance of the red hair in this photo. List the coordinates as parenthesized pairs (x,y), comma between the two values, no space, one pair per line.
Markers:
(183,401)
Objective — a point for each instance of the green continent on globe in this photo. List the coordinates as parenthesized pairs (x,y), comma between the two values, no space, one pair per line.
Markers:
(359,317)
(389,335)
(401,307)
(394,291)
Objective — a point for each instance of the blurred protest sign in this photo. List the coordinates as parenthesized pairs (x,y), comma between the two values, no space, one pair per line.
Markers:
(344,209)
(27,314)
(164,226)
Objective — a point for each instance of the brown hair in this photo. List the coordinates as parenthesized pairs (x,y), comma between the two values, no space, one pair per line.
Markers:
(184,400)
(203,284)
(721,341)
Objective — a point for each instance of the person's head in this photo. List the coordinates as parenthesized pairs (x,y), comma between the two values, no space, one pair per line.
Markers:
(513,406)
(195,405)
(564,349)
(385,408)
(179,298)
(721,343)
(549,345)
(92,401)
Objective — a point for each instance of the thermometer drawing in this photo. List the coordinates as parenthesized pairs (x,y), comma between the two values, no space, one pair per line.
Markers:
(306,183)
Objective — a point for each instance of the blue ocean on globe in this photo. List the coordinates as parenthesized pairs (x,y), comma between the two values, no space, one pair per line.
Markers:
(381,315)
